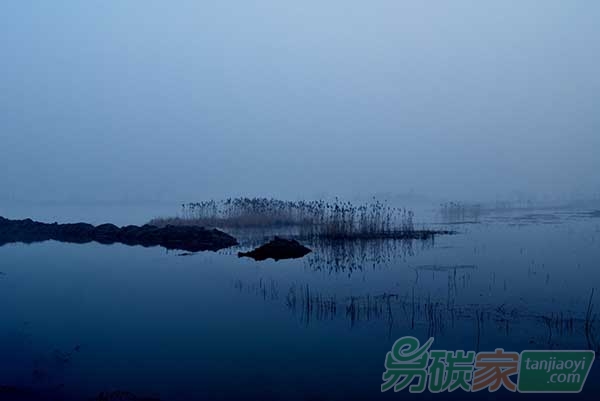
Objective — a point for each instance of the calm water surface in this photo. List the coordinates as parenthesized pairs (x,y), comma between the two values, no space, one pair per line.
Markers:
(77,320)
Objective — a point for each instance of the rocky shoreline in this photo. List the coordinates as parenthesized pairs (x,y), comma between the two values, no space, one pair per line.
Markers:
(186,238)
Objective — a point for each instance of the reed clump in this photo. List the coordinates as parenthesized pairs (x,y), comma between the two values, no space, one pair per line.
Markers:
(245,213)
(313,219)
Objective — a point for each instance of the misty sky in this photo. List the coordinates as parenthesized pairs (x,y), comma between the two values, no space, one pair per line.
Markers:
(187,100)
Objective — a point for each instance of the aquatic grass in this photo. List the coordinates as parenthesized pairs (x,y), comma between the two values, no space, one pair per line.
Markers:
(590,317)
(588,313)
(424,312)
(334,220)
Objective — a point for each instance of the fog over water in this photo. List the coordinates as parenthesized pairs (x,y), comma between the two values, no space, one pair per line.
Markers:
(154,100)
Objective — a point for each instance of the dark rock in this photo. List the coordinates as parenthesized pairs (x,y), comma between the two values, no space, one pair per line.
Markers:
(277,249)
(130,234)
(186,238)
(107,233)
(78,232)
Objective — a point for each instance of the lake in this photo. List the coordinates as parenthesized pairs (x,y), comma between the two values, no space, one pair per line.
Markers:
(79,320)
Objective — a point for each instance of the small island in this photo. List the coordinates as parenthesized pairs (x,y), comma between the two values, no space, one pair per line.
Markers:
(277,249)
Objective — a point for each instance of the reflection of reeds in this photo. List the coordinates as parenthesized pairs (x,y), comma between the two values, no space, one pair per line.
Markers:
(557,322)
(310,305)
(478,327)
(266,289)
(415,312)
(588,312)
(434,313)
(590,317)
(350,256)
(560,322)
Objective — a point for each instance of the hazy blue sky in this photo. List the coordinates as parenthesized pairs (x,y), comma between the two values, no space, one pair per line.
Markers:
(198,99)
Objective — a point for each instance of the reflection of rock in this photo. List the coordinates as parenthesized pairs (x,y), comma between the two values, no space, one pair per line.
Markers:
(187,238)
(277,249)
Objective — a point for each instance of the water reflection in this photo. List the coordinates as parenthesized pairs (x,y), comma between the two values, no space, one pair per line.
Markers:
(519,287)
(350,256)
(415,310)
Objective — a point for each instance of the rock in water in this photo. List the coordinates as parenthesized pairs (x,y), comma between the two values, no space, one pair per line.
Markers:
(277,249)
(185,238)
